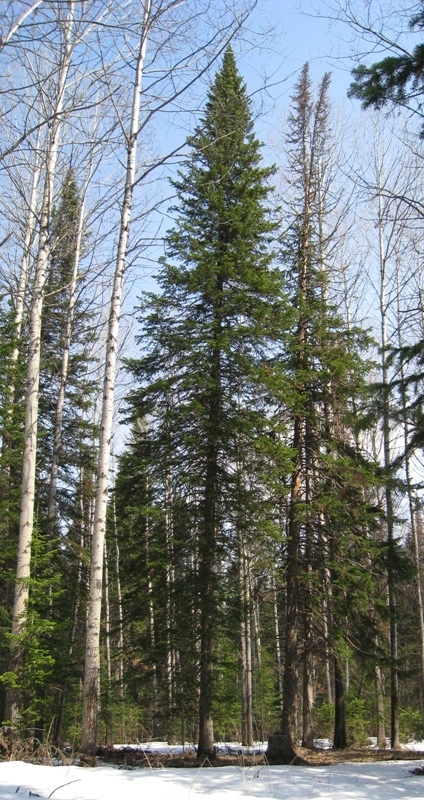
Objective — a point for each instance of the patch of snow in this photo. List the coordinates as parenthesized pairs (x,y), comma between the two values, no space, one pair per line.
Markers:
(323,744)
(379,781)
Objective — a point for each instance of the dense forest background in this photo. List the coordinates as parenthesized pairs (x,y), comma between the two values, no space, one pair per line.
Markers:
(210,492)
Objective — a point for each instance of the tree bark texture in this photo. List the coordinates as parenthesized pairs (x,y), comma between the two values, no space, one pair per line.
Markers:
(340,738)
(26,521)
(207,559)
(91,689)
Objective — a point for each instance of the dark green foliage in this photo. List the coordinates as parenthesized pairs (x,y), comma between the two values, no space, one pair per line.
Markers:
(209,370)
(396,79)
(407,393)
(77,431)
(159,593)
(332,512)
(56,610)
(12,410)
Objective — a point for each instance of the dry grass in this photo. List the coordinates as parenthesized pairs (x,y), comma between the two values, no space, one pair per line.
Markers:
(15,747)
(139,758)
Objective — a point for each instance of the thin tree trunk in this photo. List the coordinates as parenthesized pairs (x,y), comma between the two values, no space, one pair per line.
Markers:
(7,443)
(107,621)
(277,639)
(30,230)
(257,664)
(308,687)
(394,675)
(207,577)
(120,624)
(26,522)
(340,739)
(169,611)
(246,645)
(308,660)
(151,626)
(107,641)
(411,500)
(291,667)
(92,659)
(381,728)
(72,637)
(327,621)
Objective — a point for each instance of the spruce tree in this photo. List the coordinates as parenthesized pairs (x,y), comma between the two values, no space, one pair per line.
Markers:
(207,371)
(325,369)
(66,442)
(397,80)
(64,452)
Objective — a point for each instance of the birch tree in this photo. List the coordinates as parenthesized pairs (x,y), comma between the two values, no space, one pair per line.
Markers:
(33,375)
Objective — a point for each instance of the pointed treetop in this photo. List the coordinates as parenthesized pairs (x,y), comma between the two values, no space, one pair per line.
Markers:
(227,109)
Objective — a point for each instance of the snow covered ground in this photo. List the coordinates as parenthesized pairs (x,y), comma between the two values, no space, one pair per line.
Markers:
(380,781)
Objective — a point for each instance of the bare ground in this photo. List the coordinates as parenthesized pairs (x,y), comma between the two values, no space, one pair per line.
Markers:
(131,758)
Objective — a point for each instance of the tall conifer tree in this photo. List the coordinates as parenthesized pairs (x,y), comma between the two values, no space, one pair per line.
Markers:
(208,337)
(325,370)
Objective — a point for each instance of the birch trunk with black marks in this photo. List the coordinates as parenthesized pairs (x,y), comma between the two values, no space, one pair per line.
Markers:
(26,522)
(91,688)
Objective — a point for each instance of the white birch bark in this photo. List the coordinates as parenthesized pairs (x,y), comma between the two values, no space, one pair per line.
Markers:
(26,522)
(4,40)
(120,622)
(277,635)
(30,228)
(107,622)
(26,259)
(92,658)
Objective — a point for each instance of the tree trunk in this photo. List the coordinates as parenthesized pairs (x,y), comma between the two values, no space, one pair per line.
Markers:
(151,627)
(326,607)
(169,610)
(7,532)
(246,645)
(72,637)
(340,738)
(277,639)
(381,728)
(287,742)
(26,522)
(120,623)
(92,660)
(308,687)
(412,503)
(391,582)
(30,230)
(308,659)
(207,568)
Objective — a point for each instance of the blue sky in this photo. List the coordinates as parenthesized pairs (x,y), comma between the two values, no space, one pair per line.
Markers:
(300,35)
